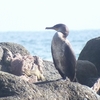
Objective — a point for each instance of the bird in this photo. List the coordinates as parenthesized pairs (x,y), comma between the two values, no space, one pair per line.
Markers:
(62,53)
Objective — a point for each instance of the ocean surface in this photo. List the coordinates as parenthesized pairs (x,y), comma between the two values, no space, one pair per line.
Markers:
(39,42)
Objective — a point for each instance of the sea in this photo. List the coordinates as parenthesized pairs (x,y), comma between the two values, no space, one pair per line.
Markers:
(38,43)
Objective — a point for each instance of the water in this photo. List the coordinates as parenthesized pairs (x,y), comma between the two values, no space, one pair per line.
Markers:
(39,42)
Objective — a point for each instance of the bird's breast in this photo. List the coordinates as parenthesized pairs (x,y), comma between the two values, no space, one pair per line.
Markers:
(58,45)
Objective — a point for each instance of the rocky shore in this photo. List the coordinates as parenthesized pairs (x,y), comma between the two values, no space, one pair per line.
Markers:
(13,87)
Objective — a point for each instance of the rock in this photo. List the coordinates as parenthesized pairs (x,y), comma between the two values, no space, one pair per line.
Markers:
(26,66)
(14,88)
(19,88)
(17,67)
(15,48)
(91,52)
(1,53)
(49,71)
(96,86)
(38,68)
(86,71)
(7,56)
(21,64)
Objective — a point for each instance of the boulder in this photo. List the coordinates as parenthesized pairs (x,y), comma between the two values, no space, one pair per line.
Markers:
(91,52)
(86,72)
(15,48)
(14,88)
(49,71)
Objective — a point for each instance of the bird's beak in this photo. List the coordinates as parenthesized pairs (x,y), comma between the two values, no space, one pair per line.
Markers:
(49,28)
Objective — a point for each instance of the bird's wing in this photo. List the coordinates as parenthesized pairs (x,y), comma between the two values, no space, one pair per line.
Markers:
(53,57)
(70,60)
(55,61)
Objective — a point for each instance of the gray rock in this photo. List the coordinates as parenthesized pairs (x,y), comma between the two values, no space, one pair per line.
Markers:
(15,48)
(14,88)
(1,53)
(49,71)
(7,55)
(91,52)
(86,72)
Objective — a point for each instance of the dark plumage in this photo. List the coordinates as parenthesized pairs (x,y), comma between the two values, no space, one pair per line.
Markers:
(62,53)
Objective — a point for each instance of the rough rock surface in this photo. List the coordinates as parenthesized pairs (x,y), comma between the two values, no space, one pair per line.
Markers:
(86,72)
(91,52)
(14,88)
(49,71)
(15,48)
(1,53)
(27,67)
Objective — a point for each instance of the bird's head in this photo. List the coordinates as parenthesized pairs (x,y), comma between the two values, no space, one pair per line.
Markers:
(60,28)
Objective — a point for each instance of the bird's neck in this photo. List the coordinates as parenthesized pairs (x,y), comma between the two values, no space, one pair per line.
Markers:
(65,34)
(61,35)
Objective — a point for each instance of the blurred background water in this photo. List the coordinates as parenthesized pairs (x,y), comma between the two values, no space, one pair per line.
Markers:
(39,42)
